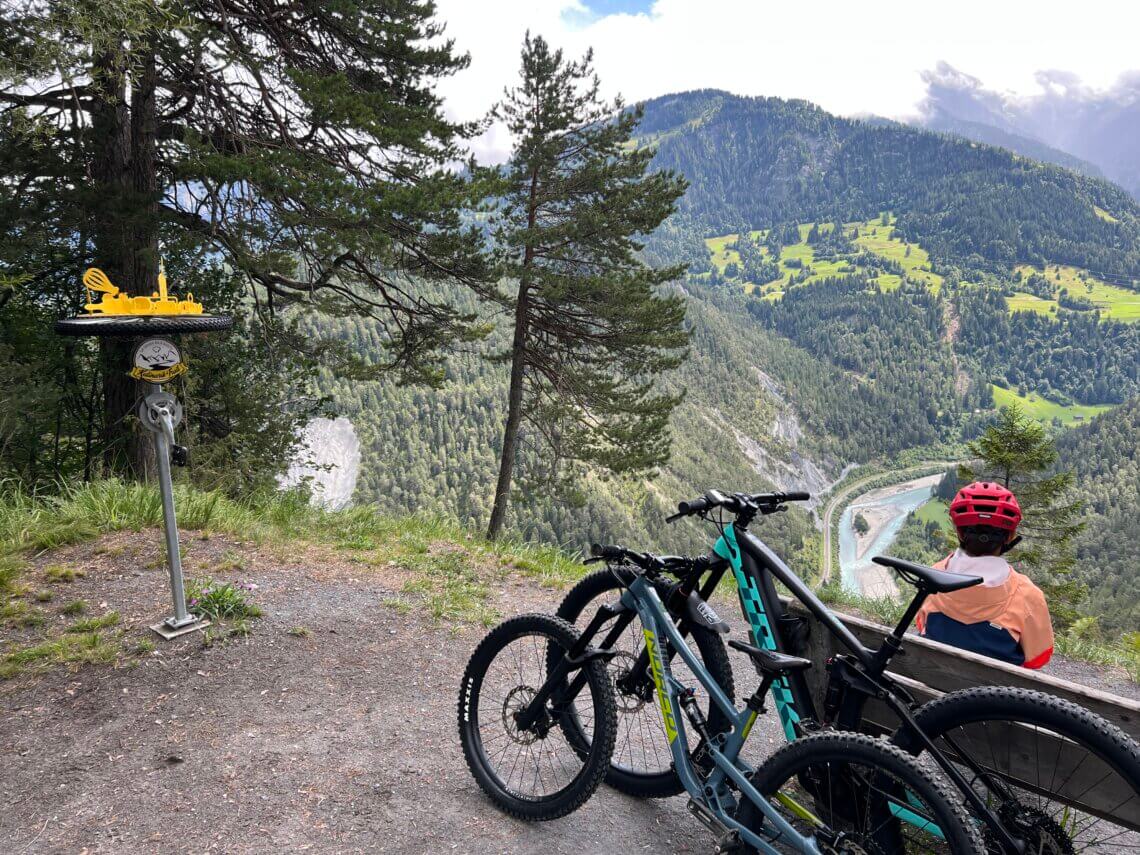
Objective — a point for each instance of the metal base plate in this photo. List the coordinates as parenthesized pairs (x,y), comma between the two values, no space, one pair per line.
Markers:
(166,631)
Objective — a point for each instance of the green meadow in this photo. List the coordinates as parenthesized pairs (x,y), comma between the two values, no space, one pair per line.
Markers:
(934,511)
(1119,304)
(870,236)
(1045,410)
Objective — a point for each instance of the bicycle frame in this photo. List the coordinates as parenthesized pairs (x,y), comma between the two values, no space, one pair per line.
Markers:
(754,565)
(714,794)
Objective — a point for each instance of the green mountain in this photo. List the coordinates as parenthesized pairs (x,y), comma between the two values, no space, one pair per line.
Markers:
(764,161)
(857,292)
(1105,455)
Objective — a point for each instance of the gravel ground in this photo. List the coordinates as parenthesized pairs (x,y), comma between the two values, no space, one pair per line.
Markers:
(341,741)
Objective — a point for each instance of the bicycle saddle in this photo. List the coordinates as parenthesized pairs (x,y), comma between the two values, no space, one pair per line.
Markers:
(771,662)
(927,578)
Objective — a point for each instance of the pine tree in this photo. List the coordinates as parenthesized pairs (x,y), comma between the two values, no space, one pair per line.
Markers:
(1017,451)
(590,330)
(298,144)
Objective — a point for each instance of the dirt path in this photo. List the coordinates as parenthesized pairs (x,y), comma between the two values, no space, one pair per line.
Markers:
(343,741)
(339,739)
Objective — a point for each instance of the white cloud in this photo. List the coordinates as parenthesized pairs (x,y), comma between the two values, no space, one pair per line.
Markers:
(850,57)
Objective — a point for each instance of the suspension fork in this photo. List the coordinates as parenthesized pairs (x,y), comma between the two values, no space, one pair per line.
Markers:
(579,654)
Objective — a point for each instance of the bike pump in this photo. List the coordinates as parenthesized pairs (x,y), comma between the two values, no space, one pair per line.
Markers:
(155,361)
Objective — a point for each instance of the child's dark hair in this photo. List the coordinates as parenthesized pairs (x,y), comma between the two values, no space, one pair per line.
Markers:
(978,540)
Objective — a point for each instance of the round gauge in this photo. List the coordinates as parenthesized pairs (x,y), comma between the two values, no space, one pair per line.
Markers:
(156,354)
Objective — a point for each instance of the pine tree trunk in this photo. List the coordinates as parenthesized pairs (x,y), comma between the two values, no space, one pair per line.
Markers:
(126,242)
(514,417)
(518,366)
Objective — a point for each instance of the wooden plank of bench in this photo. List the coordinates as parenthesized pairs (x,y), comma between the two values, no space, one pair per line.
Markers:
(946,669)
(929,669)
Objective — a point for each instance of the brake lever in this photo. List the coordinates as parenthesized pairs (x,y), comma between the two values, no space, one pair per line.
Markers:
(672,518)
(593,559)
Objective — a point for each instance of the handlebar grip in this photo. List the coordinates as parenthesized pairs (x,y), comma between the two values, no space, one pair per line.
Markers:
(609,553)
(797,496)
(695,506)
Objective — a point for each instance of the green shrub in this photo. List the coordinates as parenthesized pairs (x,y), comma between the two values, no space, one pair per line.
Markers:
(221,600)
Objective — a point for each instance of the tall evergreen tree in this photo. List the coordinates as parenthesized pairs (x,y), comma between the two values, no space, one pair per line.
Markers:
(1017,451)
(297,143)
(590,330)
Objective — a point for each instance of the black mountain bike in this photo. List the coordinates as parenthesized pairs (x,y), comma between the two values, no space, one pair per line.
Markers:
(1033,792)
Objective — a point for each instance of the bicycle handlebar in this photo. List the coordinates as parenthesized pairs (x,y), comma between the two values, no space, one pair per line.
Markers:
(677,565)
(765,503)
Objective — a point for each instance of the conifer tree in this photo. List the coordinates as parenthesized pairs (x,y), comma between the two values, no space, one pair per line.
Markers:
(1017,452)
(300,145)
(591,332)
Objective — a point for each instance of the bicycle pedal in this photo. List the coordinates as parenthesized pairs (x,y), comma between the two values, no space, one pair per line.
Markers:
(730,843)
(708,819)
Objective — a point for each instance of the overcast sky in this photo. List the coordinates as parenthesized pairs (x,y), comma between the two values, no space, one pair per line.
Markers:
(850,57)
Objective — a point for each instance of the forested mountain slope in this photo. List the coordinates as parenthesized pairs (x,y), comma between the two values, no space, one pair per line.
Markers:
(991,135)
(435,450)
(1105,455)
(885,321)
(763,161)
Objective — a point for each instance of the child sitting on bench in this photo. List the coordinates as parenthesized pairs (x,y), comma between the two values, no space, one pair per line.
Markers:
(1006,617)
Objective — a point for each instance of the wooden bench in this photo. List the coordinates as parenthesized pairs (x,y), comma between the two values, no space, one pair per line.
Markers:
(928,669)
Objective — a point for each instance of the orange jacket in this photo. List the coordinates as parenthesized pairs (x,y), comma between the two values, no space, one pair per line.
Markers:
(1016,606)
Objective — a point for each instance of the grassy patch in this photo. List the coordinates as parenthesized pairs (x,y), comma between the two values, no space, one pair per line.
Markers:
(1104,215)
(1022,302)
(879,239)
(871,236)
(62,573)
(885,610)
(1114,302)
(449,564)
(73,650)
(17,613)
(1045,410)
(220,601)
(94,624)
(452,591)
(936,511)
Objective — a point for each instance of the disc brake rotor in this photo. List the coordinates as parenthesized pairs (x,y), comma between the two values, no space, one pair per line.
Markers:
(517,699)
(620,667)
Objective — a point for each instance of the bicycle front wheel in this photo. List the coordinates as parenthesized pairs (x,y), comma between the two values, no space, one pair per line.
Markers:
(859,796)
(533,772)
(1059,777)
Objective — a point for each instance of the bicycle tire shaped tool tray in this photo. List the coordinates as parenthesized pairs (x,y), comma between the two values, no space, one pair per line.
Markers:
(153,361)
(118,314)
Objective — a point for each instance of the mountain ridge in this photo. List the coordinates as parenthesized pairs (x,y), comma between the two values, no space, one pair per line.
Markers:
(759,162)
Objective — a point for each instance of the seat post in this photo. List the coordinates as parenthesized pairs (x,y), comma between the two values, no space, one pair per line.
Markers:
(893,642)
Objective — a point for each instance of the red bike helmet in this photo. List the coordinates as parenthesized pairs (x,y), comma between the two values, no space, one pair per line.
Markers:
(985,503)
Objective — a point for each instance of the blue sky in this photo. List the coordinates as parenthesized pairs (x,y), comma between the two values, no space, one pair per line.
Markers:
(610,7)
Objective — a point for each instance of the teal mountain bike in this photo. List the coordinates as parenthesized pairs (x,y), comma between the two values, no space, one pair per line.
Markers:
(538,720)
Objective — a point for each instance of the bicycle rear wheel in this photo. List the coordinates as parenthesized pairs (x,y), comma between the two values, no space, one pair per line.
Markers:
(860,796)
(533,773)
(1063,779)
(642,764)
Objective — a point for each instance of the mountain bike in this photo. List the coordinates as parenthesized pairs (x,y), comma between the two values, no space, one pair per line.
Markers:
(1037,798)
(537,722)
